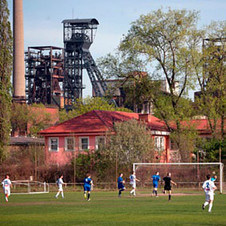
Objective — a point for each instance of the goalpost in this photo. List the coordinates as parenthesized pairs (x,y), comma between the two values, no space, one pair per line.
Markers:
(182,173)
(29,187)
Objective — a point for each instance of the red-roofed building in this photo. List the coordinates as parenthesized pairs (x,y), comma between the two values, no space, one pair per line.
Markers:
(41,113)
(203,127)
(86,131)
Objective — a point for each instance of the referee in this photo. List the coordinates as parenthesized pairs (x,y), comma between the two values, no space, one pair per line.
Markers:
(167,186)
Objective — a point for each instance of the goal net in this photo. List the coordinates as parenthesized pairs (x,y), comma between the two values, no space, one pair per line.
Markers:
(188,176)
(29,187)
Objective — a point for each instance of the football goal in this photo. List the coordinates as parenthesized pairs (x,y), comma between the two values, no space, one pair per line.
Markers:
(29,187)
(188,176)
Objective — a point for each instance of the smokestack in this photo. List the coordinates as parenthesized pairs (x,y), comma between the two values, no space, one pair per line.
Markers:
(18,52)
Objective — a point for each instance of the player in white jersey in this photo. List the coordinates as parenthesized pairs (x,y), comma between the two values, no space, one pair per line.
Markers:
(60,183)
(209,188)
(133,180)
(6,183)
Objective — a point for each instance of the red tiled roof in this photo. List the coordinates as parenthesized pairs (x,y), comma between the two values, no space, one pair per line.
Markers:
(202,125)
(100,121)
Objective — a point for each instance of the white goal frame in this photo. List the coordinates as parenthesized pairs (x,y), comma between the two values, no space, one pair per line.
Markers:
(221,165)
(28,184)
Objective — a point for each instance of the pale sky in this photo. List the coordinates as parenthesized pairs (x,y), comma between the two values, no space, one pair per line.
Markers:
(42,19)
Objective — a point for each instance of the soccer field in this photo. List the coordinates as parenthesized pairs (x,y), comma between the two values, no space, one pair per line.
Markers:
(105,208)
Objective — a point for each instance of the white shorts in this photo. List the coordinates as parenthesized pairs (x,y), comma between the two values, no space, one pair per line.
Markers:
(60,188)
(209,196)
(133,185)
(6,191)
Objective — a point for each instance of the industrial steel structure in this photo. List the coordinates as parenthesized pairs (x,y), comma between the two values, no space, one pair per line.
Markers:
(214,50)
(44,75)
(78,36)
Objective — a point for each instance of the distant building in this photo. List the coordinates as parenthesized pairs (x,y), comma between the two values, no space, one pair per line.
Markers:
(214,50)
(201,125)
(51,112)
(45,75)
(86,132)
(116,89)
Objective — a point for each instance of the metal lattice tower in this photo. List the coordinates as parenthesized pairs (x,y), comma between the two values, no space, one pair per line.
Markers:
(44,75)
(78,37)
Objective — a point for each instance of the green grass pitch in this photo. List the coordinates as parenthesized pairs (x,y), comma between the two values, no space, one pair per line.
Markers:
(105,208)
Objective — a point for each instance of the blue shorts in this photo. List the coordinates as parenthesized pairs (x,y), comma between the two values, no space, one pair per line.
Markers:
(155,185)
(87,188)
(121,187)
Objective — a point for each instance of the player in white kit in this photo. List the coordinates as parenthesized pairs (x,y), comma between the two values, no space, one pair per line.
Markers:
(6,183)
(133,180)
(60,183)
(209,188)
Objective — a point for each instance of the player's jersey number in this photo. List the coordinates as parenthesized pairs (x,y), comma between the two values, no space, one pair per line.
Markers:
(207,186)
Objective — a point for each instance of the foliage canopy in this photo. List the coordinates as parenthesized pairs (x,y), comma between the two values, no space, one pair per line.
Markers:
(5,74)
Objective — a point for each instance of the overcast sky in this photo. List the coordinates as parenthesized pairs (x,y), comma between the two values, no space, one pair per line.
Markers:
(42,19)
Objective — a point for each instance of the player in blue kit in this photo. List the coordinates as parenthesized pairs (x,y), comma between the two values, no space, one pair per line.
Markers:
(155,179)
(87,186)
(121,186)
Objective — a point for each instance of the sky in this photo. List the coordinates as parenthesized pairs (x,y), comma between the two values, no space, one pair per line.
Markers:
(43,20)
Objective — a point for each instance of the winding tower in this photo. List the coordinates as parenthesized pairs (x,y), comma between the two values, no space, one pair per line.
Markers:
(44,75)
(78,37)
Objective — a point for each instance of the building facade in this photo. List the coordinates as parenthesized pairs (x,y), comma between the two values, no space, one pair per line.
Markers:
(86,132)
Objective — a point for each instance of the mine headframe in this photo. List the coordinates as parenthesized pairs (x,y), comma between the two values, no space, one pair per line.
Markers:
(44,75)
(78,37)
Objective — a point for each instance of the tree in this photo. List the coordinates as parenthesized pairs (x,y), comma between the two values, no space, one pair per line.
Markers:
(186,142)
(211,101)
(119,66)
(165,40)
(24,161)
(5,74)
(132,142)
(85,105)
(128,73)
(38,119)
(26,119)
(84,164)
(19,118)
(208,150)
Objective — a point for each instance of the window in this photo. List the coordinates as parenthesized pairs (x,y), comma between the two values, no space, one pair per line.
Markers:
(100,141)
(84,143)
(53,144)
(160,143)
(156,142)
(69,144)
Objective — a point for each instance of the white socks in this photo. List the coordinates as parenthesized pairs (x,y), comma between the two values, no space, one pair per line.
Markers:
(206,203)
(59,193)
(210,207)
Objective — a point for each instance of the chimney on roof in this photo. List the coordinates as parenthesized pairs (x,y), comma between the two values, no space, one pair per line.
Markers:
(145,117)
